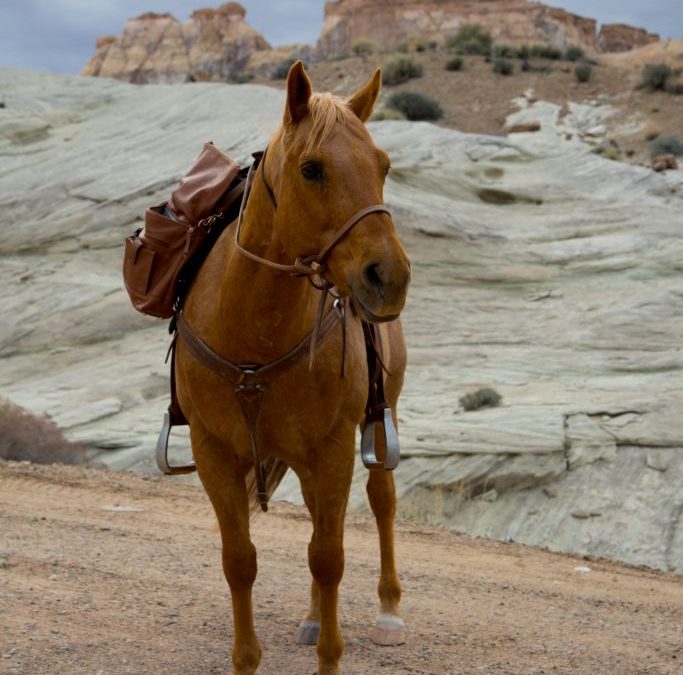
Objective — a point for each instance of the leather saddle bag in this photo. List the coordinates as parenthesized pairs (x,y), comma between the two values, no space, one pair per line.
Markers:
(161,258)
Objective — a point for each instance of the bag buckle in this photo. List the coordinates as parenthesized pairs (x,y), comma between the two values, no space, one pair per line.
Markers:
(367,443)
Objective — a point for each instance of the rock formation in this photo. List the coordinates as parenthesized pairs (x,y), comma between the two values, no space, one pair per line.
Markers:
(618,37)
(212,44)
(508,21)
(540,269)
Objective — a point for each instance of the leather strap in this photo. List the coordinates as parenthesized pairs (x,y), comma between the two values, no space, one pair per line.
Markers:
(310,265)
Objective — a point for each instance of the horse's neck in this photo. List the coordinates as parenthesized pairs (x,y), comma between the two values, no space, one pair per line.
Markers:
(260,314)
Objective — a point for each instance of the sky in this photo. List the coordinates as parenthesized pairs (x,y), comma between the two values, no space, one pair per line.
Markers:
(59,35)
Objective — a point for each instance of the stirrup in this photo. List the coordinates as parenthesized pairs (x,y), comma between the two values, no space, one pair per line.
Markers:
(162,452)
(367,444)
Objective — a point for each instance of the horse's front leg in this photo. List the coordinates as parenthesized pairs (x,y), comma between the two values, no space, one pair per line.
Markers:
(223,476)
(389,628)
(332,474)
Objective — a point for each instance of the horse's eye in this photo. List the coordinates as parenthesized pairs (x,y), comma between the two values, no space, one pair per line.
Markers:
(312,171)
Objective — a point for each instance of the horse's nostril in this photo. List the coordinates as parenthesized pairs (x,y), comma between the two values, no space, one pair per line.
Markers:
(372,278)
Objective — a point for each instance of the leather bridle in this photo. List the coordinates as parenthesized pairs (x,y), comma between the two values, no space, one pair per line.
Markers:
(307,265)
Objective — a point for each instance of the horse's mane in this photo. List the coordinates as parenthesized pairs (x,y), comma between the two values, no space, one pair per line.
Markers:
(325,111)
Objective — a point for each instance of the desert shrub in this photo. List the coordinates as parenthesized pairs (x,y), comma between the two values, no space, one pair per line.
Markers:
(363,47)
(574,53)
(503,67)
(545,52)
(503,51)
(667,144)
(471,38)
(455,63)
(241,78)
(399,71)
(415,106)
(523,52)
(482,398)
(387,114)
(24,436)
(433,45)
(583,72)
(282,69)
(420,46)
(655,76)
(403,47)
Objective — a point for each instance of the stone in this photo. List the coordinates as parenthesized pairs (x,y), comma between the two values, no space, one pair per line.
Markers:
(523,128)
(666,162)
(620,37)
(566,298)
(213,44)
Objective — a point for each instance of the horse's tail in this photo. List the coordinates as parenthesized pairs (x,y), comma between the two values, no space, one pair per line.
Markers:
(275,471)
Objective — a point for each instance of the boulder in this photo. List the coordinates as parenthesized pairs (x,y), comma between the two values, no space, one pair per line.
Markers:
(664,162)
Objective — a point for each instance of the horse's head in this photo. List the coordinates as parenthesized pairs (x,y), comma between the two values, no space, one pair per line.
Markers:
(326,168)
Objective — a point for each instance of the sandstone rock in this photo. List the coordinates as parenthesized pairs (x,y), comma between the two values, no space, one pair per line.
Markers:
(665,162)
(566,298)
(213,44)
(508,21)
(619,37)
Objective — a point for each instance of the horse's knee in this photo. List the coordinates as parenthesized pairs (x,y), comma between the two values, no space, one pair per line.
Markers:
(239,564)
(326,561)
(381,494)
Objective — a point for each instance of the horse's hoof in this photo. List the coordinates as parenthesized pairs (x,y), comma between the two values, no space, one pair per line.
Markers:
(307,633)
(389,631)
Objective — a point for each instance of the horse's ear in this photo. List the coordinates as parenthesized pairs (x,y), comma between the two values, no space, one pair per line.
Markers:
(363,101)
(299,91)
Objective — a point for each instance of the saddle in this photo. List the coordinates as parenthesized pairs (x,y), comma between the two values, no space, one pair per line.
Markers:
(161,260)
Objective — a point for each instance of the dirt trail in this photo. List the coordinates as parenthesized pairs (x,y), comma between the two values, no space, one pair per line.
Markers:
(113,573)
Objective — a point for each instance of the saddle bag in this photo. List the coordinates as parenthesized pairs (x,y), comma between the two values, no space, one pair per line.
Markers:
(161,258)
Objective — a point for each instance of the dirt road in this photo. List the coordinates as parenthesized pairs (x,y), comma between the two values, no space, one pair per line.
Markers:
(113,573)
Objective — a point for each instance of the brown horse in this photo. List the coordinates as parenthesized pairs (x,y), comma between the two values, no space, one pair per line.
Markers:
(321,168)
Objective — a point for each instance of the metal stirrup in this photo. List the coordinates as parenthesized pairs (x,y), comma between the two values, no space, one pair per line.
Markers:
(367,443)
(162,452)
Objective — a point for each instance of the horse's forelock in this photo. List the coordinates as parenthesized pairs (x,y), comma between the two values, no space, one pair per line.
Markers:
(326,112)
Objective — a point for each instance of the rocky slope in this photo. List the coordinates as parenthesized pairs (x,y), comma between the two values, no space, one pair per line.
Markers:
(540,269)
(213,44)
(509,21)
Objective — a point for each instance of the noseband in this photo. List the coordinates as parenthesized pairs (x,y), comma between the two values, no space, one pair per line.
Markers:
(303,266)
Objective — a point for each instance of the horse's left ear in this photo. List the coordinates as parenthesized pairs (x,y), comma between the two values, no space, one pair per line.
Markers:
(363,101)
(299,91)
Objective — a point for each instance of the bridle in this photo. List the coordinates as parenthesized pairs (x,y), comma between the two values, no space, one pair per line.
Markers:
(308,265)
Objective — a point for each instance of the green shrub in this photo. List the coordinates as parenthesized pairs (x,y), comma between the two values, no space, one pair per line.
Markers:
(655,76)
(363,47)
(482,398)
(583,72)
(503,51)
(433,45)
(545,52)
(471,38)
(399,71)
(241,78)
(574,53)
(666,144)
(523,52)
(503,67)
(402,47)
(455,63)
(282,69)
(415,106)
(420,47)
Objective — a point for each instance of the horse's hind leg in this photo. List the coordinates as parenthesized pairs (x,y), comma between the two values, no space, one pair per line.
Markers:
(389,628)
(224,480)
(309,628)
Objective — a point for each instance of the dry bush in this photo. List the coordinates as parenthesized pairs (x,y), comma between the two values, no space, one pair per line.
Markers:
(482,398)
(24,436)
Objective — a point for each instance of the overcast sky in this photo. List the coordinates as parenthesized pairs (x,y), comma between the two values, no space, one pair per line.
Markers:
(60,35)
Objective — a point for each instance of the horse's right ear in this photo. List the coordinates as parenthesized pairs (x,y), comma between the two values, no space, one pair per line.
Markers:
(299,91)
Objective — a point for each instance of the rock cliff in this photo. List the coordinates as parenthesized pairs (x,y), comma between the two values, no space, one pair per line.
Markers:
(509,21)
(618,37)
(540,269)
(212,44)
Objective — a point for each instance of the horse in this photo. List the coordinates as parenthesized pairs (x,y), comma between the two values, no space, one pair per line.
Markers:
(247,304)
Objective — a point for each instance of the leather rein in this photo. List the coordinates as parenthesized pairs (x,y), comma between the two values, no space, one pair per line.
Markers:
(251,381)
